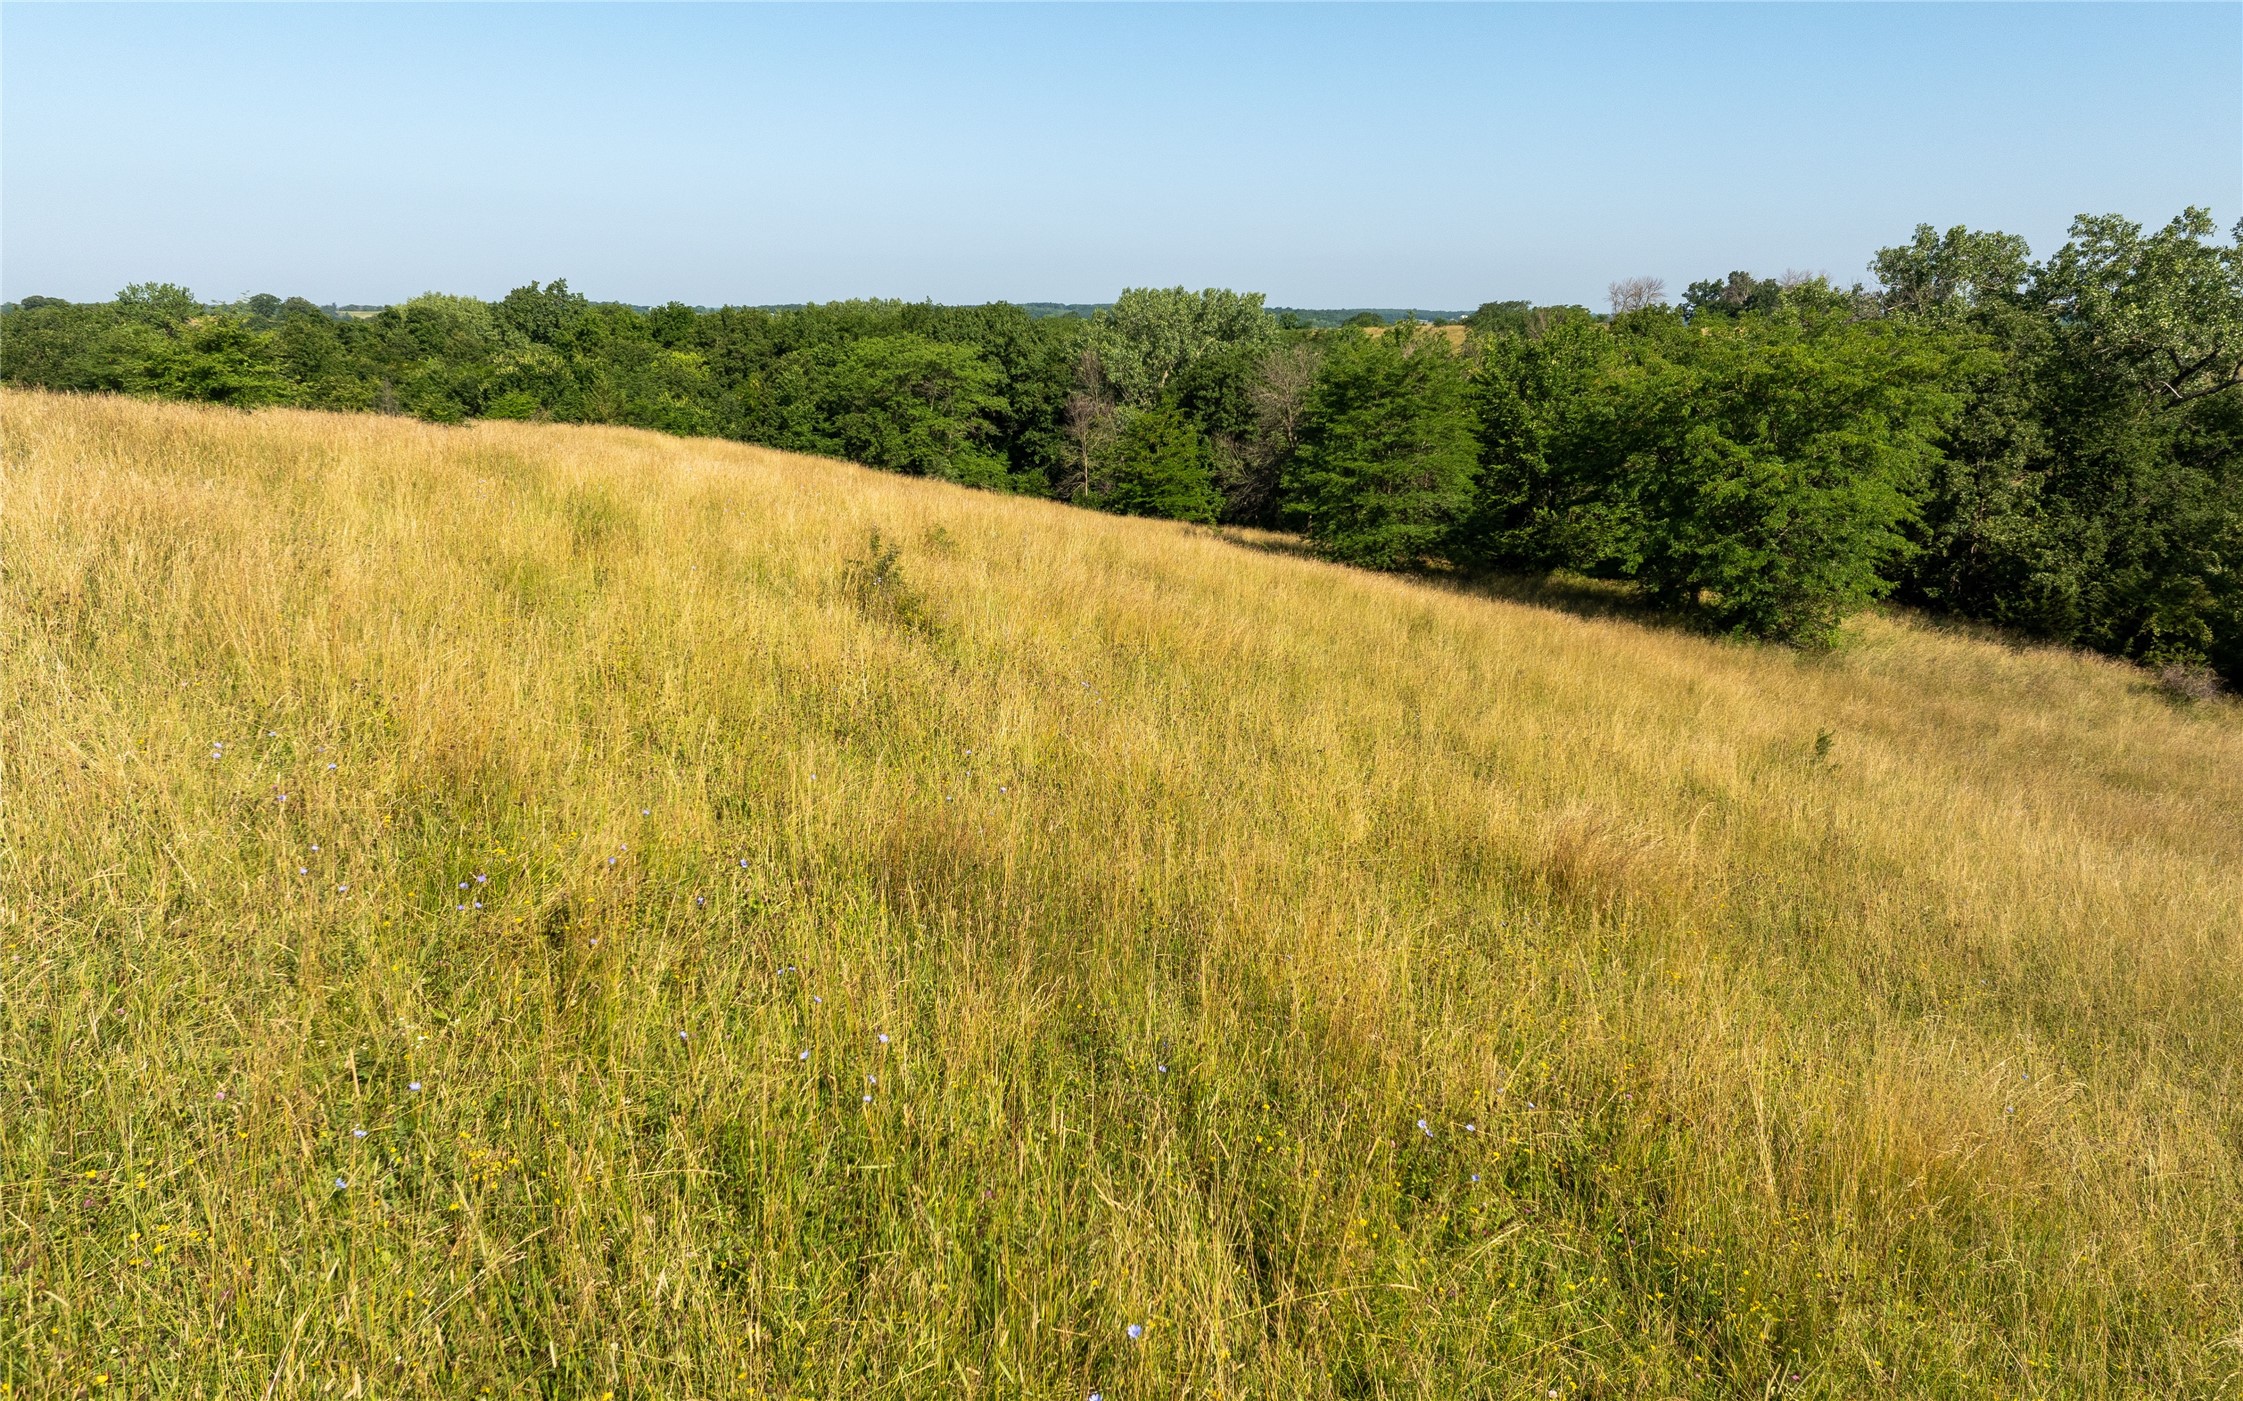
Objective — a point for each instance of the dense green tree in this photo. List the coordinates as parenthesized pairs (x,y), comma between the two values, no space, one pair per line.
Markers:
(1035,359)
(1738,294)
(548,315)
(1499,318)
(218,360)
(1516,318)
(59,345)
(1162,467)
(904,403)
(164,305)
(1386,457)
(1775,467)
(1760,471)
(674,326)
(1216,390)
(1536,505)
(2091,491)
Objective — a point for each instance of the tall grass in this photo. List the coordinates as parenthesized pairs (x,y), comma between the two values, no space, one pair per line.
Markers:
(531,911)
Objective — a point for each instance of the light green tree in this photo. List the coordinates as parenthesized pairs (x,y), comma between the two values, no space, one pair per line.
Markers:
(2168,306)
(1957,270)
(1153,334)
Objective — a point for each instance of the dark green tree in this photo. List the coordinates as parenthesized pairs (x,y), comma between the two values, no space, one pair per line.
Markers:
(163,305)
(219,360)
(1162,467)
(1775,467)
(1536,504)
(1759,471)
(1386,457)
(2091,491)
(79,348)
(548,315)
(1738,294)
(1498,318)
(674,325)
(904,403)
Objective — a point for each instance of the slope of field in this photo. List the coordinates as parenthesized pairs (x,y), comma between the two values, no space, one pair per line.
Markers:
(537,911)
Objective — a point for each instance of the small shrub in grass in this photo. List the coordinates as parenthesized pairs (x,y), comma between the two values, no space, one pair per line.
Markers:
(874,582)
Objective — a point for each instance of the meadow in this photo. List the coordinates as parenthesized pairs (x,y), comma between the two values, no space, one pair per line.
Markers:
(528,911)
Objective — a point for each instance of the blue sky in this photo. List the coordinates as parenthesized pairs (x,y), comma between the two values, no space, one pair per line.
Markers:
(1329,155)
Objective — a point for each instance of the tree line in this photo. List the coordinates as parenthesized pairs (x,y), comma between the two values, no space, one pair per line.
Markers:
(2054,447)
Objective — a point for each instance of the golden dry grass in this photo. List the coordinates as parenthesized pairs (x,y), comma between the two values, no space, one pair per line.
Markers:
(1454,333)
(753,975)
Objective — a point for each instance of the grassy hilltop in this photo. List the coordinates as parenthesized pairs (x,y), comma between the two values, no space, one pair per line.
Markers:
(532,911)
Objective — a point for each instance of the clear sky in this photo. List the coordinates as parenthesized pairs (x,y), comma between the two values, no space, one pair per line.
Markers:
(1329,155)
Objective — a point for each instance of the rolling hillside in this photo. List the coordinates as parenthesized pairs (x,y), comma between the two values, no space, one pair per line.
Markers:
(522,911)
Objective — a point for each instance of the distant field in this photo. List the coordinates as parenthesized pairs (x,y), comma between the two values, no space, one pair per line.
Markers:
(530,911)
(1454,335)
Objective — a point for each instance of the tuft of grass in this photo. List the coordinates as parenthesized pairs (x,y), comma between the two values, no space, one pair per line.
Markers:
(2189,681)
(506,910)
